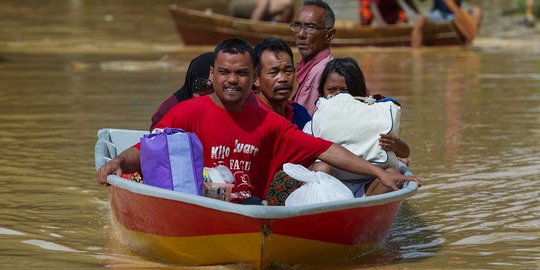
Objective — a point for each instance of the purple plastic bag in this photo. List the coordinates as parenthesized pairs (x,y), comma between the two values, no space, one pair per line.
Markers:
(172,159)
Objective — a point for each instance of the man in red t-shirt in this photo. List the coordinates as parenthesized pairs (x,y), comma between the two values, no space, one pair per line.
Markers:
(252,142)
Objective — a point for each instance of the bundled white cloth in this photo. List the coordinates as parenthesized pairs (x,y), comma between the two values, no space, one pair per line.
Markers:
(356,125)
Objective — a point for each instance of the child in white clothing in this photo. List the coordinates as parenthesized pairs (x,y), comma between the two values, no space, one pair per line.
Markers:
(342,76)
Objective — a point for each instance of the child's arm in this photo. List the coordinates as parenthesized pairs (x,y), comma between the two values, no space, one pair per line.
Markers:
(390,143)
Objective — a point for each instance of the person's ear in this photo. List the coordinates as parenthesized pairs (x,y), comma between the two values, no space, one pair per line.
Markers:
(211,74)
(256,80)
(330,34)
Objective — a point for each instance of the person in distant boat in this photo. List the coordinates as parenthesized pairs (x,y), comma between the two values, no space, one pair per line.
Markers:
(343,75)
(387,12)
(313,29)
(262,10)
(441,12)
(196,84)
(274,80)
(252,142)
(384,12)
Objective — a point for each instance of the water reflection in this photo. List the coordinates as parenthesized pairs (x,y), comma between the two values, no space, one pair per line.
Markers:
(70,68)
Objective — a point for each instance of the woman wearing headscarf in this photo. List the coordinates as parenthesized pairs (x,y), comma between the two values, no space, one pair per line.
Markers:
(196,84)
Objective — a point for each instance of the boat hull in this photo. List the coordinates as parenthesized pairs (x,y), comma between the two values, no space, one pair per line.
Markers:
(194,230)
(191,233)
(183,233)
(201,28)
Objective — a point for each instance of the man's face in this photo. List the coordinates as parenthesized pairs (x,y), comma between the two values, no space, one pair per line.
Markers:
(277,76)
(309,44)
(232,77)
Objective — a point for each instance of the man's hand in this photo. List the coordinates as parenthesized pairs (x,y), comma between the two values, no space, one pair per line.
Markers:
(112,167)
(128,162)
(394,180)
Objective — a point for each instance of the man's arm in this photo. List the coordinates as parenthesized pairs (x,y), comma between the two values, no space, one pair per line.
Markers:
(342,158)
(260,8)
(127,162)
(413,6)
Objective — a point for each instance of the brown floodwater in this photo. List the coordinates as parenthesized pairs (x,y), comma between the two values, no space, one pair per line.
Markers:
(71,67)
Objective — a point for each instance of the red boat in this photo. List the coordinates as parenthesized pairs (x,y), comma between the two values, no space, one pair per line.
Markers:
(195,230)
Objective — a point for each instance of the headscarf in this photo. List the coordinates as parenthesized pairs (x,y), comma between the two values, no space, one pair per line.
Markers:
(196,80)
(196,76)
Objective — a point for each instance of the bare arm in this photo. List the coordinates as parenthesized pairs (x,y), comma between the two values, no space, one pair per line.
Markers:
(127,162)
(377,15)
(342,158)
(258,11)
(413,6)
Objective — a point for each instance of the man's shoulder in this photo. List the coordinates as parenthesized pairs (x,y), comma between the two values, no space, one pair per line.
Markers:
(199,101)
(321,64)
(318,68)
(193,104)
(297,108)
(258,112)
(323,56)
(325,60)
(300,113)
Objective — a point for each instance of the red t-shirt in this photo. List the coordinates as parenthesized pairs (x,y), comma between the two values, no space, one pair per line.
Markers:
(254,143)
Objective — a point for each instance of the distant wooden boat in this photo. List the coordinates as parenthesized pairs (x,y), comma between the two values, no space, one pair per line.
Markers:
(205,28)
(195,230)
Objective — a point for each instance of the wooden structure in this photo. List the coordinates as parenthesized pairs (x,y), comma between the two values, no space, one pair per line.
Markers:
(204,28)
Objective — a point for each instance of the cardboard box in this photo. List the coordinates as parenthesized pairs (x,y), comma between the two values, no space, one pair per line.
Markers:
(220,191)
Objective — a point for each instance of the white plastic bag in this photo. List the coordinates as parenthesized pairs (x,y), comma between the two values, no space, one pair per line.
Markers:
(319,187)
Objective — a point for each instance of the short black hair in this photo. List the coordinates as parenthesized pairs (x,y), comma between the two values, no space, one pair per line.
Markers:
(348,68)
(330,17)
(274,45)
(234,46)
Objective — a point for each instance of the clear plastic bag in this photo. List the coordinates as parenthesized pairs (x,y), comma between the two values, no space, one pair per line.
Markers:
(218,183)
(319,187)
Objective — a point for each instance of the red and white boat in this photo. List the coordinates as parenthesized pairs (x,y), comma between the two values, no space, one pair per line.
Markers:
(194,230)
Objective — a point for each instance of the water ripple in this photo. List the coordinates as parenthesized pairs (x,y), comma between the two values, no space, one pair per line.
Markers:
(49,245)
(5,231)
(495,238)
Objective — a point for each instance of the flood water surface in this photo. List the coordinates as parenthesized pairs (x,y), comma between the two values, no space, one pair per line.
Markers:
(69,68)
